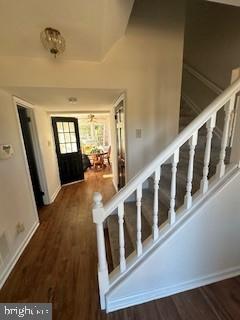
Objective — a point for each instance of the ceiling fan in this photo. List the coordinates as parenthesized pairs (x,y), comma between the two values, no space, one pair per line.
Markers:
(91,118)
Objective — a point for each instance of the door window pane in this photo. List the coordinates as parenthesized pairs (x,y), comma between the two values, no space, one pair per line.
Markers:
(59,127)
(73,137)
(71,127)
(65,127)
(68,147)
(63,148)
(74,147)
(61,137)
(67,137)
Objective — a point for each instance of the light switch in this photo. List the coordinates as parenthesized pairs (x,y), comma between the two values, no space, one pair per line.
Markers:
(6,151)
(138,133)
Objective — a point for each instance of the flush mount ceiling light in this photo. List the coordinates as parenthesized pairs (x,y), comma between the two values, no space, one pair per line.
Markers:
(72,100)
(53,41)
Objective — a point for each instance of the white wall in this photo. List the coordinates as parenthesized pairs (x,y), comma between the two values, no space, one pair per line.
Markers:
(203,250)
(211,40)
(16,199)
(147,63)
(47,147)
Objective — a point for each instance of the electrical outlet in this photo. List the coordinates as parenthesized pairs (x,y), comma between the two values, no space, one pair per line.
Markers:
(138,133)
(20,228)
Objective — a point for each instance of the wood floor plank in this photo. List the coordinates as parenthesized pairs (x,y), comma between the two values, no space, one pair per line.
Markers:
(192,305)
(224,297)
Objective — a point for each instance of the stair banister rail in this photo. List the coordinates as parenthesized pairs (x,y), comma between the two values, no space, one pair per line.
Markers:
(186,134)
(227,98)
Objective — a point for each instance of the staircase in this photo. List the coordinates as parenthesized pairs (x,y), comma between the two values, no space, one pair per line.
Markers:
(151,204)
(130,218)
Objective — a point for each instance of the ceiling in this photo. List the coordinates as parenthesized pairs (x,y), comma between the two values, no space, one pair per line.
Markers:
(90,27)
(56,99)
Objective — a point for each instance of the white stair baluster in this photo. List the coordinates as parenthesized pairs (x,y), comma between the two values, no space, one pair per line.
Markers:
(233,125)
(171,212)
(155,205)
(228,110)
(207,155)
(139,220)
(192,145)
(103,277)
(121,237)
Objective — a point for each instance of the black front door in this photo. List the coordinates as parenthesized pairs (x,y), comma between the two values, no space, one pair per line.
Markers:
(68,150)
(28,143)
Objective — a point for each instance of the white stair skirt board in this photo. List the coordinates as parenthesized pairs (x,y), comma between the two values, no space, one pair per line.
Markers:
(202,250)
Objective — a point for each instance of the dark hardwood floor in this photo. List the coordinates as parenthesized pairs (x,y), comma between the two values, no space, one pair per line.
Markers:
(60,266)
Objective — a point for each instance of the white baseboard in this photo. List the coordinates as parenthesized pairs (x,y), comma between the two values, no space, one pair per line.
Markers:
(155,294)
(53,197)
(74,182)
(9,267)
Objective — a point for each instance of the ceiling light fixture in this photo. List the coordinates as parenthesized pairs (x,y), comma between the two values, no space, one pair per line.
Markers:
(91,118)
(72,100)
(53,41)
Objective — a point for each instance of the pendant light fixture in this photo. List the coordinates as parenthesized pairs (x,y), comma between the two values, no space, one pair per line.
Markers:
(53,41)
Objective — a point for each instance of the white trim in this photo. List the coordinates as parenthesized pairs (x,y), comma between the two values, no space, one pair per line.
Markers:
(54,196)
(195,108)
(36,147)
(168,291)
(119,99)
(123,98)
(74,182)
(16,101)
(115,186)
(23,103)
(39,158)
(207,82)
(17,254)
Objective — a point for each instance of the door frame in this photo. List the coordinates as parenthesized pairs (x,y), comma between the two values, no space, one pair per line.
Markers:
(37,151)
(121,98)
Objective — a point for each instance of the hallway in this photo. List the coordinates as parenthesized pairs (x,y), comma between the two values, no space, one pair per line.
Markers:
(60,266)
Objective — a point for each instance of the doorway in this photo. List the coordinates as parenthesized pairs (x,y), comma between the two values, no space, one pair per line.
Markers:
(30,154)
(121,147)
(68,149)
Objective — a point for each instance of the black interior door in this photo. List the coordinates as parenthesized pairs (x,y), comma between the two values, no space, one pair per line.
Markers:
(68,149)
(27,138)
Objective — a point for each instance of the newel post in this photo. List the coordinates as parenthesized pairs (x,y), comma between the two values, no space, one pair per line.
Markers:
(235,152)
(98,219)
